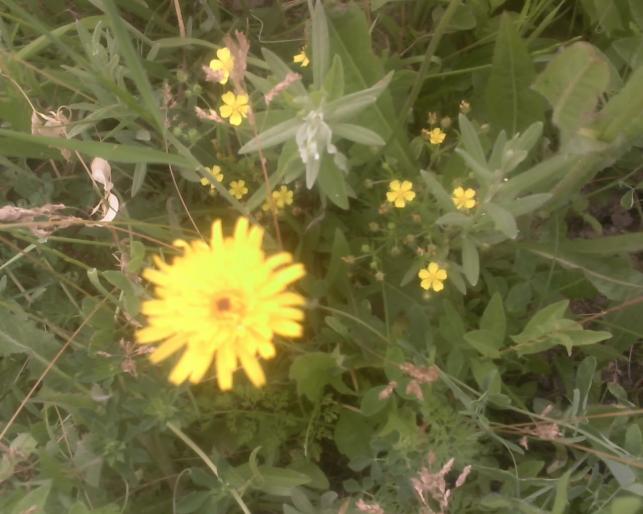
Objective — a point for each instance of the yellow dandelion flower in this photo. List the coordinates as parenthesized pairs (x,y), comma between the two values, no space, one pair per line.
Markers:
(235,107)
(400,192)
(433,277)
(301,58)
(224,64)
(464,199)
(282,197)
(222,301)
(435,136)
(238,189)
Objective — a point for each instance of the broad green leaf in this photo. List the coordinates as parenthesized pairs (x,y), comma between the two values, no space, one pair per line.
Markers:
(353,433)
(273,136)
(630,505)
(502,219)
(350,36)
(454,218)
(511,104)
(470,261)
(34,500)
(312,372)
(332,182)
(357,134)
(621,118)
(110,151)
(609,245)
(351,104)
(320,43)
(493,318)
(572,83)
(485,342)
(276,481)
(526,204)
(539,177)
(140,171)
(471,141)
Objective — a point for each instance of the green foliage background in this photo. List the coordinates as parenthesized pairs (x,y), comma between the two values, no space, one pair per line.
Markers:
(535,339)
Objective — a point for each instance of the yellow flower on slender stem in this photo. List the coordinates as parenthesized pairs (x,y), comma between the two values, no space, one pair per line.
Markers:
(301,58)
(400,192)
(222,301)
(238,189)
(235,107)
(464,199)
(435,136)
(218,175)
(224,64)
(282,197)
(432,277)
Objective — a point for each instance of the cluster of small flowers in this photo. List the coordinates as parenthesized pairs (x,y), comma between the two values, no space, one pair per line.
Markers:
(432,487)
(238,188)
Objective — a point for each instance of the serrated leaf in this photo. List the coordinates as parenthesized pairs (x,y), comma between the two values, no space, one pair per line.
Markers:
(572,83)
(511,105)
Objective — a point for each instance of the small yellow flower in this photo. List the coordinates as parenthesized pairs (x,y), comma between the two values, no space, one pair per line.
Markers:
(223,301)
(224,64)
(301,58)
(400,192)
(218,175)
(435,136)
(236,107)
(282,197)
(464,199)
(433,277)
(465,107)
(238,189)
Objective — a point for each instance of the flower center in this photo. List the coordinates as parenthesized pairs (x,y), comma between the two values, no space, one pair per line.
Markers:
(227,304)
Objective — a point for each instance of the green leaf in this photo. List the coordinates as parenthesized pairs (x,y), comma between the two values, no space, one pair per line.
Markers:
(134,65)
(562,488)
(493,318)
(572,83)
(502,220)
(33,501)
(277,481)
(357,134)
(471,141)
(350,36)
(140,171)
(320,43)
(353,434)
(620,119)
(313,371)
(485,342)
(334,79)
(511,104)
(351,104)
(273,136)
(435,188)
(110,151)
(631,505)
(470,261)
(332,182)
(609,245)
